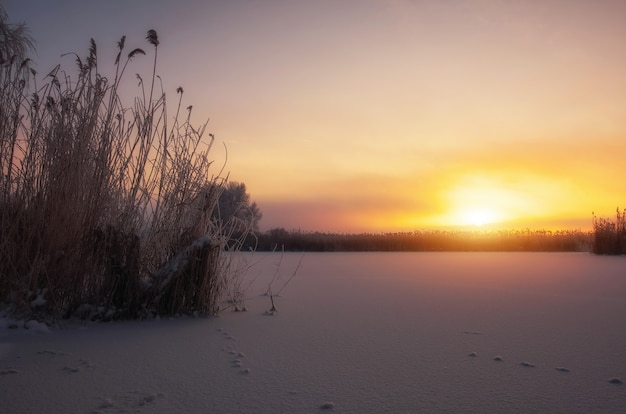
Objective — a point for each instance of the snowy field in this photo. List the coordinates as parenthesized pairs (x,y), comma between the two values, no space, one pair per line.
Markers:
(355,333)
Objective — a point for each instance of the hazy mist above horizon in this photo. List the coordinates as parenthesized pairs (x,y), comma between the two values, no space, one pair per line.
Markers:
(384,115)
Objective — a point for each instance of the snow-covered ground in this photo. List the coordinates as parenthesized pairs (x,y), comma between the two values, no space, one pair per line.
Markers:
(355,333)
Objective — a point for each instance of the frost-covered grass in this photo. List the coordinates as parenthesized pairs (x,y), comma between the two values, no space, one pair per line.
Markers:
(98,196)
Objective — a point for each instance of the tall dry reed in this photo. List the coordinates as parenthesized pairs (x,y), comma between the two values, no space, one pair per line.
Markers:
(104,205)
(609,236)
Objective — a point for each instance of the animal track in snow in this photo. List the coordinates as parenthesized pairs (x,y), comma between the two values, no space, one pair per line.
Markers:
(81,365)
(106,403)
(527,364)
(9,371)
(236,363)
(227,335)
(237,356)
(132,401)
(150,398)
(52,353)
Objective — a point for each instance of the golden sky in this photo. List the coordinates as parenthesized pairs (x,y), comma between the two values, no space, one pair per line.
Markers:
(388,115)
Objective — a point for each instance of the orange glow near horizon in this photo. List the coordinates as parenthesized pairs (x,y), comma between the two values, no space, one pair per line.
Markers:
(388,115)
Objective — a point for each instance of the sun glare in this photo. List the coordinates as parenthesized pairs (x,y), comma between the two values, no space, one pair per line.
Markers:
(471,217)
(479,200)
(478,217)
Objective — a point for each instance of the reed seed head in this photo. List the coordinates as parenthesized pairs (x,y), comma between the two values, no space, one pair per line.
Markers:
(134,52)
(153,38)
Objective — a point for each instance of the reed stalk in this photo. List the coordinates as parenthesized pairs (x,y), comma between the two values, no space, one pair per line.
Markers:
(98,197)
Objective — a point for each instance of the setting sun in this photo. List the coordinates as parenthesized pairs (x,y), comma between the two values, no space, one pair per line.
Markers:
(478,217)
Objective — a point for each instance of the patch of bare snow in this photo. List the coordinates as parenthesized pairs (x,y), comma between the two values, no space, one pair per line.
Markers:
(40,300)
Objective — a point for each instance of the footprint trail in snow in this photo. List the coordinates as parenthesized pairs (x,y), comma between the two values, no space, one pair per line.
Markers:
(237,357)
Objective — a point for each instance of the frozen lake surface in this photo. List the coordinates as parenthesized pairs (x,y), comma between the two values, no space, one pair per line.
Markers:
(355,333)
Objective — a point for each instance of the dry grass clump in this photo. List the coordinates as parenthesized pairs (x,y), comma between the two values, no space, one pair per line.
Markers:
(104,208)
(609,237)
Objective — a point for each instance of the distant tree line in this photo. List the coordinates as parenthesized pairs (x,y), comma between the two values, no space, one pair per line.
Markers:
(435,240)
